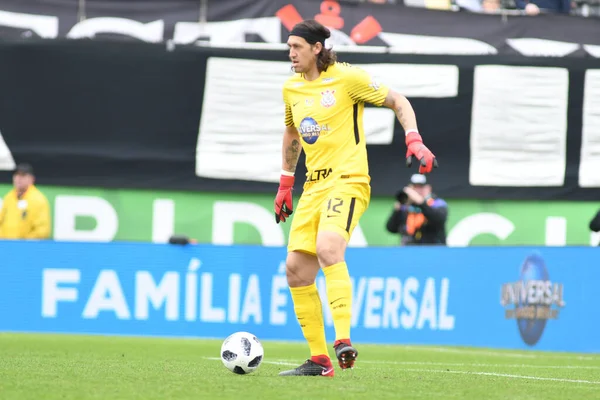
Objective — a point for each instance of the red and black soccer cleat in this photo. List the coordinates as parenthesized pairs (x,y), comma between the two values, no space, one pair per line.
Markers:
(345,353)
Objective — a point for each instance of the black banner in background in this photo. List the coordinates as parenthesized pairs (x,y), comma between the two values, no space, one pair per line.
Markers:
(423,31)
(128,114)
(394,27)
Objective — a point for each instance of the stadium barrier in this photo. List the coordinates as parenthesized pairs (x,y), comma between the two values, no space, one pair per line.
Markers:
(513,297)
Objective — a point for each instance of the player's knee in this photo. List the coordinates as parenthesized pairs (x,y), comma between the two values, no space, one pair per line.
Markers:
(330,249)
(297,275)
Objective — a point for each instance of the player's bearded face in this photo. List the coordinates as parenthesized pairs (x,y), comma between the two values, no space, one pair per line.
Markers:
(302,54)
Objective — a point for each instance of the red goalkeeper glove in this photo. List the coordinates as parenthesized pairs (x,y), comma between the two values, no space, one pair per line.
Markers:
(415,147)
(283,202)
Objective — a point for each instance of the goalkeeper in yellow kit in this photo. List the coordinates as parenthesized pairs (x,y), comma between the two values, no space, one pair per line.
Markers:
(324,103)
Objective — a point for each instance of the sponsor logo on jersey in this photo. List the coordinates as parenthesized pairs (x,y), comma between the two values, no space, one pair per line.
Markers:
(318,174)
(310,130)
(328,98)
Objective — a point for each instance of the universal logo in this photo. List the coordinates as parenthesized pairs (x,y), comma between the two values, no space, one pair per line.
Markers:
(533,299)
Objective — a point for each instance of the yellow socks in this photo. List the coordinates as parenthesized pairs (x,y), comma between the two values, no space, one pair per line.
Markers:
(339,295)
(309,311)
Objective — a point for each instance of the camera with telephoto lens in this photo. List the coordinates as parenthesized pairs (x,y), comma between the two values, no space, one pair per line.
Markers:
(402,197)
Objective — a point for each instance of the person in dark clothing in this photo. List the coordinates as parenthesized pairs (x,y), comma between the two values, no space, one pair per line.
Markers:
(595,223)
(534,7)
(419,216)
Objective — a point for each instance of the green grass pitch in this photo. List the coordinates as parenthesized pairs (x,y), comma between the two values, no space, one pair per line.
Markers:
(67,367)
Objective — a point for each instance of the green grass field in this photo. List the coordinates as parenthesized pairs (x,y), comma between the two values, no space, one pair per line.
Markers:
(93,367)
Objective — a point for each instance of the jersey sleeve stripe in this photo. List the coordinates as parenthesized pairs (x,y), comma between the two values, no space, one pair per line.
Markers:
(368,96)
(360,93)
(289,119)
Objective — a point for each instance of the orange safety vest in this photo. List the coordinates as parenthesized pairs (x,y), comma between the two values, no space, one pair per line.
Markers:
(414,220)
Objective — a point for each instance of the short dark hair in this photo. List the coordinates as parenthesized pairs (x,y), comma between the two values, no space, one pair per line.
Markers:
(326,57)
(24,168)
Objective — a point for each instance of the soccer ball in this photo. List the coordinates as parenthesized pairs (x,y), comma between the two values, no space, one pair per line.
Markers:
(242,353)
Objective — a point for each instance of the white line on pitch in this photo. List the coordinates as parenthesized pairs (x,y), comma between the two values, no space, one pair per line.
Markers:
(497,354)
(537,378)
(282,363)
(482,365)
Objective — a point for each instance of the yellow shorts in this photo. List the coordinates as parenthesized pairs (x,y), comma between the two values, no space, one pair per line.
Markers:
(336,209)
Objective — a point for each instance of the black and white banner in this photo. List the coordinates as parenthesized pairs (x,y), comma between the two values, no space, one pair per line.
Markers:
(138,115)
(391,28)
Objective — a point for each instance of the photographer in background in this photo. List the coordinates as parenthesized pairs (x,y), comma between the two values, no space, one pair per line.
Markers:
(419,216)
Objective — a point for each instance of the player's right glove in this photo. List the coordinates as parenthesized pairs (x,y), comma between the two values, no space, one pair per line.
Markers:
(283,200)
(415,147)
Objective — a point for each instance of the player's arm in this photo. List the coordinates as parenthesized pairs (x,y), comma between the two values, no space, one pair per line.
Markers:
(362,88)
(291,142)
(291,149)
(403,110)
(289,159)
(290,152)
(414,142)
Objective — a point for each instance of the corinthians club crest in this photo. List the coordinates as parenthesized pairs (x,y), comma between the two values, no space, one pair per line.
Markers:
(328,98)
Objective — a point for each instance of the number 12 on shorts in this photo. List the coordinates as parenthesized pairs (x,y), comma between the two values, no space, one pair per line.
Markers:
(334,205)
(342,209)
(340,215)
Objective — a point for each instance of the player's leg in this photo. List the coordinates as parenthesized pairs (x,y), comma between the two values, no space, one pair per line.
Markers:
(301,272)
(302,268)
(339,217)
(331,247)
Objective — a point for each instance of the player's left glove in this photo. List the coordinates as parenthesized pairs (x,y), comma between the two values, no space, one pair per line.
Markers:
(283,201)
(416,148)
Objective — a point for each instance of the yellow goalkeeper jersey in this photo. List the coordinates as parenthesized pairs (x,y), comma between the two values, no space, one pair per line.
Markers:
(328,114)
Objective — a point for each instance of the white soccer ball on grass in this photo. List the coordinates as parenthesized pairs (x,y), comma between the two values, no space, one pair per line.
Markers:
(242,353)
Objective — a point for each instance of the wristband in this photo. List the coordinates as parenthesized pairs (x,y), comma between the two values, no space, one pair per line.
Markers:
(286,173)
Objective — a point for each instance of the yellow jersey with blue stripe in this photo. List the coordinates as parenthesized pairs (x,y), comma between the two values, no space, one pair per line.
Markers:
(328,114)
